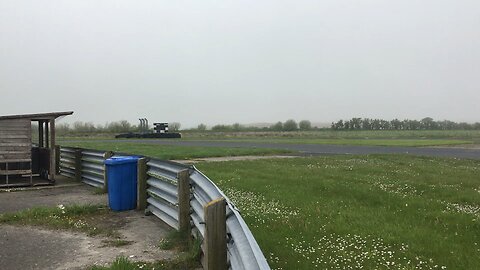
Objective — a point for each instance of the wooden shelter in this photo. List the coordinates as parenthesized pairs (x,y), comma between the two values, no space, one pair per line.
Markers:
(18,159)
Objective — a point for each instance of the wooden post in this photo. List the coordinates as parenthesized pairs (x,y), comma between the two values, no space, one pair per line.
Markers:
(107,155)
(215,235)
(142,184)
(57,159)
(184,202)
(78,164)
(40,134)
(47,141)
(53,156)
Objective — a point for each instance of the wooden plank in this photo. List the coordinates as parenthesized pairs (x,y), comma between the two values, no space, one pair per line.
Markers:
(15,124)
(9,130)
(5,137)
(40,134)
(57,159)
(17,144)
(53,158)
(8,152)
(15,156)
(215,235)
(15,149)
(15,160)
(13,172)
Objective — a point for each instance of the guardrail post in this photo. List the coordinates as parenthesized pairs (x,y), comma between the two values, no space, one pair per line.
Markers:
(184,202)
(215,240)
(142,184)
(78,164)
(57,159)
(106,155)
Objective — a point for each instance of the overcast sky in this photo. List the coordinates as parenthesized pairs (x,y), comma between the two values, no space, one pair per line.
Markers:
(241,61)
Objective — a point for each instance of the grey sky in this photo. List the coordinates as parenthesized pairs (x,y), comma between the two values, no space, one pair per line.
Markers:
(241,61)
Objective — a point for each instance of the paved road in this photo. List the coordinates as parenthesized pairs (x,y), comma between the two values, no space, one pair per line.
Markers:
(323,149)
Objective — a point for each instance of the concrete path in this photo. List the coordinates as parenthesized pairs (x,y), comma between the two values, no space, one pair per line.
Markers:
(27,247)
(323,149)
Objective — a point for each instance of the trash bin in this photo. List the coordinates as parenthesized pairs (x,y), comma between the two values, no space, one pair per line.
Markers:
(122,182)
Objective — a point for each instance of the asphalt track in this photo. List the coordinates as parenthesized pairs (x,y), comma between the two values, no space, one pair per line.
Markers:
(324,149)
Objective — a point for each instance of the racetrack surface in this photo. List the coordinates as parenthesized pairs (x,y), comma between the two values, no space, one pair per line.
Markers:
(322,149)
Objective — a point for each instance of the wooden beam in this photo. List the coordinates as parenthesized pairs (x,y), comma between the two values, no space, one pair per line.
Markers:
(40,133)
(184,201)
(78,165)
(53,158)
(142,184)
(107,155)
(215,235)
(47,141)
(57,159)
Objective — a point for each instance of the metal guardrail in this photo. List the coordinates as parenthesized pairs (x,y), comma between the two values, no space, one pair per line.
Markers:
(85,165)
(93,168)
(67,162)
(242,248)
(243,251)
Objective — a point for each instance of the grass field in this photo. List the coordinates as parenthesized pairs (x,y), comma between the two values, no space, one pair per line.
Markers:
(380,138)
(171,152)
(468,135)
(359,212)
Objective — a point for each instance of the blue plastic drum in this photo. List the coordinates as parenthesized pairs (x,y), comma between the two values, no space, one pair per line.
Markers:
(122,182)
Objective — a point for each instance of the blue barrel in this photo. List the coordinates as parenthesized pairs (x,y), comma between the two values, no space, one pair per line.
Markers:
(122,182)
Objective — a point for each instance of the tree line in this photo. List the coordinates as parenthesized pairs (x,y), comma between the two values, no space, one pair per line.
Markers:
(122,126)
(426,123)
(289,125)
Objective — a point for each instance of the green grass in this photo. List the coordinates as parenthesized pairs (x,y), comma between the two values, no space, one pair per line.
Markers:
(76,217)
(359,212)
(172,152)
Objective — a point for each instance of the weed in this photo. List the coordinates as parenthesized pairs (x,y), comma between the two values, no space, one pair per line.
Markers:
(76,217)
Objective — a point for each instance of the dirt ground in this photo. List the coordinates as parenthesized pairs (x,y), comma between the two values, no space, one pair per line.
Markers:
(25,247)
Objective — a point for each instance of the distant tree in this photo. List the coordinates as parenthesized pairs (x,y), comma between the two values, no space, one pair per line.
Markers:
(305,125)
(83,127)
(338,125)
(202,127)
(356,123)
(396,124)
(237,127)
(62,129)
(427,123)
(174,126)
(290,125)
(277,127)
(221,128)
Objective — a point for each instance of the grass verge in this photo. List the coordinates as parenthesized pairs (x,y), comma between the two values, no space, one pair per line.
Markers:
(172,152)
(76,217)
(359,212)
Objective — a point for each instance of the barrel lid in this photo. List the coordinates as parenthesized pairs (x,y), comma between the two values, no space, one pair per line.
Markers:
(116,160)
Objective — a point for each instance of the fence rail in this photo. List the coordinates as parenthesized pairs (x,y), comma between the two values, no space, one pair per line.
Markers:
(162,184)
